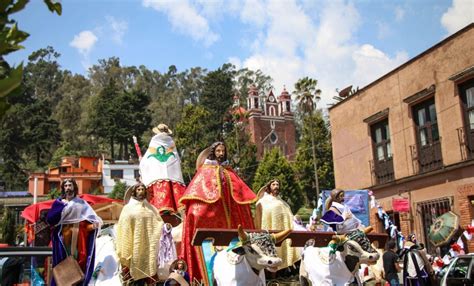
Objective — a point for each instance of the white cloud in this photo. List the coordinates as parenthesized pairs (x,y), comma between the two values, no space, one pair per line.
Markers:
(372,63)
(325,50)
(235,61)
(399,14)
(84,42)
(460,14)
(253,12)
(185,18)
(118,29)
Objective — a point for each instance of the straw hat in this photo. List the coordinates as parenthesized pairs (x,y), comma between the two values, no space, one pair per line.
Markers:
(162,128)
(202,157)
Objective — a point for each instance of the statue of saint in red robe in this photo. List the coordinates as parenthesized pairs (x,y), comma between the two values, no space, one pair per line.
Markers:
(216,198)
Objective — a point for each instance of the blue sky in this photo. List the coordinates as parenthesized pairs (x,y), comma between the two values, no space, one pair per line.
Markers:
(335,41)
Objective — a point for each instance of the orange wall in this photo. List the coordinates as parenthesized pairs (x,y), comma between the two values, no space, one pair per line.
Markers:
(351,139)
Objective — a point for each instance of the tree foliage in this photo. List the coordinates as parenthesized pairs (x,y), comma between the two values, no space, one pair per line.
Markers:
(314,124)
(7,226)
(10,41)
(241,151)
(118,192)
(306,92)
(217,97)
(275,166)
(191,137)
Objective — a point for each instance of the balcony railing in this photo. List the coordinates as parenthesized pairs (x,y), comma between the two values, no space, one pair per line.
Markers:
(382,171)
(466,144)
(426,158)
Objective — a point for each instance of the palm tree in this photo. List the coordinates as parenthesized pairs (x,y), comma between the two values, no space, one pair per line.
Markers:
(307,95)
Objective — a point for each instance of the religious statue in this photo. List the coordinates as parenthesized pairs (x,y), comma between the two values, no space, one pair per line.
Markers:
(215,198)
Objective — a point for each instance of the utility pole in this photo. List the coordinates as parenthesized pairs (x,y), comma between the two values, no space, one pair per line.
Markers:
(315,164)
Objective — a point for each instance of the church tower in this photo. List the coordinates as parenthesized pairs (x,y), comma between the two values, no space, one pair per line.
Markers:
(271,123)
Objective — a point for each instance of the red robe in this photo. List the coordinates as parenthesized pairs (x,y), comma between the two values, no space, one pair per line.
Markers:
(215,198)
(165,195)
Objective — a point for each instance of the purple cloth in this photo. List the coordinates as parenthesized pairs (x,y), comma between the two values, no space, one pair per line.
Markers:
(167,252)
(59,252)
(332,219)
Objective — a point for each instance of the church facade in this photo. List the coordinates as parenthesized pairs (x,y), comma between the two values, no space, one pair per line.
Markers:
(271,122)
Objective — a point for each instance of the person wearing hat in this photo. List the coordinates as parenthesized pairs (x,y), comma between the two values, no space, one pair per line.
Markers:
(138,234)
(215,198)
(273,213)
(160,171)
(338,216)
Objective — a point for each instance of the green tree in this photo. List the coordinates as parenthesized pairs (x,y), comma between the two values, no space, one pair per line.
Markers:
(41,132)
(217,97)
(191,137)
(54,194)
(307,95)
(244,78)
(71,112)
(10,41)
(314,126)
(12,144)
(43,76)
(103,114)
(7,227)
(118,192)
(275,166)
(63,150)
(241,151)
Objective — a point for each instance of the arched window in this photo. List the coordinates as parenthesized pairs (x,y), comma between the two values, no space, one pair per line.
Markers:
(271,111)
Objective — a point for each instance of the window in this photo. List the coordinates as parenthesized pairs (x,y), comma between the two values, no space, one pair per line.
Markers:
(428,211)
(461,268)
(466,91)
(382,149)
(381,139)
(136,174)
(271,111)
(116,174)
(428,145)
(426,122)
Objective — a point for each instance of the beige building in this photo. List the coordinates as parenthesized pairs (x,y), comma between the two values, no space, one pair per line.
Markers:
(410,134)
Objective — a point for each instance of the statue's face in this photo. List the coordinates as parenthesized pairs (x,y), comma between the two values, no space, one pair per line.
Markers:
(219,152)
(140,193)
(275,188)
(180,265)
(69,190)
(340,198)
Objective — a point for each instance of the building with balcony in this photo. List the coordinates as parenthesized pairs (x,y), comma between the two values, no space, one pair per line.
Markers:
(87,171)
(410,134)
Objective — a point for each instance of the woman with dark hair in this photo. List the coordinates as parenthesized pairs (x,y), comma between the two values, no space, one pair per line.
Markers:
(73,220)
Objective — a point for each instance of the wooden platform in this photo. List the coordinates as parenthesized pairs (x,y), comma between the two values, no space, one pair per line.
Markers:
(222,237)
